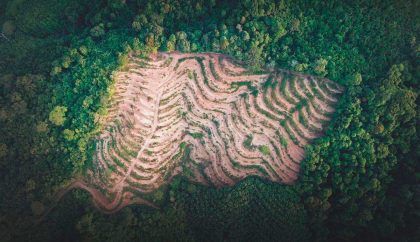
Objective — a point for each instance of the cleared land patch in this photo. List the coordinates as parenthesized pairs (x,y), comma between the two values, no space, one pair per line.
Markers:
(203,116)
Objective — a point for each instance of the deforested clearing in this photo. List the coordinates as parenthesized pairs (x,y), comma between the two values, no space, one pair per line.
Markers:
(205,117)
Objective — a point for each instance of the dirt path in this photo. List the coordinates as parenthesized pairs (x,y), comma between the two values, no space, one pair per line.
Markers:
(99,200)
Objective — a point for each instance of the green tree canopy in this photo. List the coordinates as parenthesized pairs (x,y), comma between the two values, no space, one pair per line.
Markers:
(58,115)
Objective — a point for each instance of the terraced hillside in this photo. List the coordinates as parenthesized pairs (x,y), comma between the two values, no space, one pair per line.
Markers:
(206,117)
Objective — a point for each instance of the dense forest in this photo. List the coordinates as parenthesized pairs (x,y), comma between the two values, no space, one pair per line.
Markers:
(359,182)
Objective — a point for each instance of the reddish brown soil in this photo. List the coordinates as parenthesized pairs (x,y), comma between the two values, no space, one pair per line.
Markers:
(167,104)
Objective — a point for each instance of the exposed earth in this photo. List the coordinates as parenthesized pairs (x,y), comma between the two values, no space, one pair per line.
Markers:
(206,117)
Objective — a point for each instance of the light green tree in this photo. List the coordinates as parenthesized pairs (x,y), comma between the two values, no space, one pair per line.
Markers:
(58,115)
(68,134)
(320,67)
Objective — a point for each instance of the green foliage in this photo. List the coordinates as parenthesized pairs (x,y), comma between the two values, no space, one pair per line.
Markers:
(224,43)
(43,18)
(358,182)
(8,28)
(68,134)
(248,142)
(196,135)
(264,149)
(98,30)
(170,44)
(37,208)
(320,67)
(58,115)
(360,145)
(283,141)
(238,210)
(252,88)
(3,150)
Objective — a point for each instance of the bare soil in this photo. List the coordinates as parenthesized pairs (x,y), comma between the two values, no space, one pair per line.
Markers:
(173,102)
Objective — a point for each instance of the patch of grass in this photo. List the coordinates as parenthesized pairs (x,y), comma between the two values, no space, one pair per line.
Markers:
(196,135)
(182,146)
(264,149)
(190,75)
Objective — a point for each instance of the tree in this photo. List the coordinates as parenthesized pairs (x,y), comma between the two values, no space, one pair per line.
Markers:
(254,57)
(320,67)
(183,45)
(42,127)
(8,28)
(245,36)
(353,80)
(68,134)
(224,42)
(139,22)
(58,115)
(3,150)
(368,155)
(37,208)
(150,43)
(98,30)
(170,43)
(278,29)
